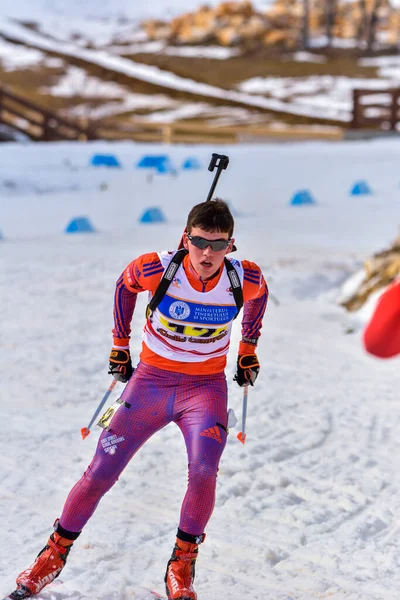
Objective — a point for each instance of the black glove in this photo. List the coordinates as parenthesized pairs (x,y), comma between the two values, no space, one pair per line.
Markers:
(120,366)
(247,369)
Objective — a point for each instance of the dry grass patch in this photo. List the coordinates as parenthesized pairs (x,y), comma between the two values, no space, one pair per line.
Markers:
(228,73)
(380,270)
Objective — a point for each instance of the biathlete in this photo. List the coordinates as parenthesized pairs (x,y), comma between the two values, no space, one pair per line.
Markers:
(180,377)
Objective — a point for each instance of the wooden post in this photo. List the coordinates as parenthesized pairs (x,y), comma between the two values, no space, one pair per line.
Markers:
(167,134)
(45,130)
(394,109)
(355,122)
(84,124)
(306,25)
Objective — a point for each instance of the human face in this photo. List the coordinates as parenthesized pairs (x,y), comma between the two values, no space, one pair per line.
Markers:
(206,261)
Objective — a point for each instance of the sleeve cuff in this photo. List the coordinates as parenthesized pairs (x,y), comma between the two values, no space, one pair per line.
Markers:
(121,342)
(245,348)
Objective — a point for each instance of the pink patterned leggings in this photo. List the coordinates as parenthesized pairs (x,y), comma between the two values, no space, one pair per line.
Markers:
(153,398)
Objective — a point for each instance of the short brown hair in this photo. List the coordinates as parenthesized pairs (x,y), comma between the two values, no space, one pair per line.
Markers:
(212,215)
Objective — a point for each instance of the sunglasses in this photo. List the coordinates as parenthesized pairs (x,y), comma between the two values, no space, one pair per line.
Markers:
(202,243)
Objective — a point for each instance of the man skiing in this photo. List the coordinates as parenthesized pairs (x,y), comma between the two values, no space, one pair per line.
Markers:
(382,334)
(180,377)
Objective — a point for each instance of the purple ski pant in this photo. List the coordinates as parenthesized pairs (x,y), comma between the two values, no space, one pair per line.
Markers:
(197,404)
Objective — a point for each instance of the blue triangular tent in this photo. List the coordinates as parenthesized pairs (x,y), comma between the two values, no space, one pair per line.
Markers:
(360,188)
(104,160)
(191,163)
(302,197)
(153,215)
(80,225)
(160,162)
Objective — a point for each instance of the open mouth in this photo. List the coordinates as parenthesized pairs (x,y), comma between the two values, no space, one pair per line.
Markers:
(206,264)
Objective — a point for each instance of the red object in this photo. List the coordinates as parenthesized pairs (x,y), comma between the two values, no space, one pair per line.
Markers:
(181,244)
(241,437)
(180,571)
(47,566)
(85,432)
(382,334)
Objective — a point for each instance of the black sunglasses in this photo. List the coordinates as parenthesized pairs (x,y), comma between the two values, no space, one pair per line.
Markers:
(202,243)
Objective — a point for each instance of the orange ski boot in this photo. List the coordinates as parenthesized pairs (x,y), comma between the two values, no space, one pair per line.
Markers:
(181,569)
(48,565)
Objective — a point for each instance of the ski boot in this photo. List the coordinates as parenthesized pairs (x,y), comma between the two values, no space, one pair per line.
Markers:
(180,572)
(48,564)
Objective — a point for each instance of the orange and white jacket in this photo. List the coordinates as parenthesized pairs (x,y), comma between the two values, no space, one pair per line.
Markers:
(190,330)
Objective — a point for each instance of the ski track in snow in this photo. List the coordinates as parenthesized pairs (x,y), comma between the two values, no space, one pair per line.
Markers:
(308,508)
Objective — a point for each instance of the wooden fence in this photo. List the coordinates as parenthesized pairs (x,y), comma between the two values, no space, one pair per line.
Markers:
(37,123)
(376,109)
(40,124)
(198,133)
(372,109)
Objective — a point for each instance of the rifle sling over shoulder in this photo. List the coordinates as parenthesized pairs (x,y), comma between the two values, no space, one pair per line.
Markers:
(170,273)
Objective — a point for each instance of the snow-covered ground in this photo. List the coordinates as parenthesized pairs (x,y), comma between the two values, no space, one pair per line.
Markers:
(309,507)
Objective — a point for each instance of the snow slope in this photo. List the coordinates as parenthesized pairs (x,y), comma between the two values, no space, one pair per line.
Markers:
(308,508)
(162,78)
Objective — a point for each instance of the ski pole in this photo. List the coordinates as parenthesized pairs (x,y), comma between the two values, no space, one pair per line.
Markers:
(86,430)
(241,436)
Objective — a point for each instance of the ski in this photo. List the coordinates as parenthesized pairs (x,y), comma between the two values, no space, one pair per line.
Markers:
(22,592)
(19,594)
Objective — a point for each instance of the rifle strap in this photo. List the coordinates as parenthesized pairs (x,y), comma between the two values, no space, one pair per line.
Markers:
(235,285)
(166,280)
(170,273)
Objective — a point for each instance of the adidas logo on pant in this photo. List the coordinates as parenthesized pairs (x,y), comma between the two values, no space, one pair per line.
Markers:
(212,432)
